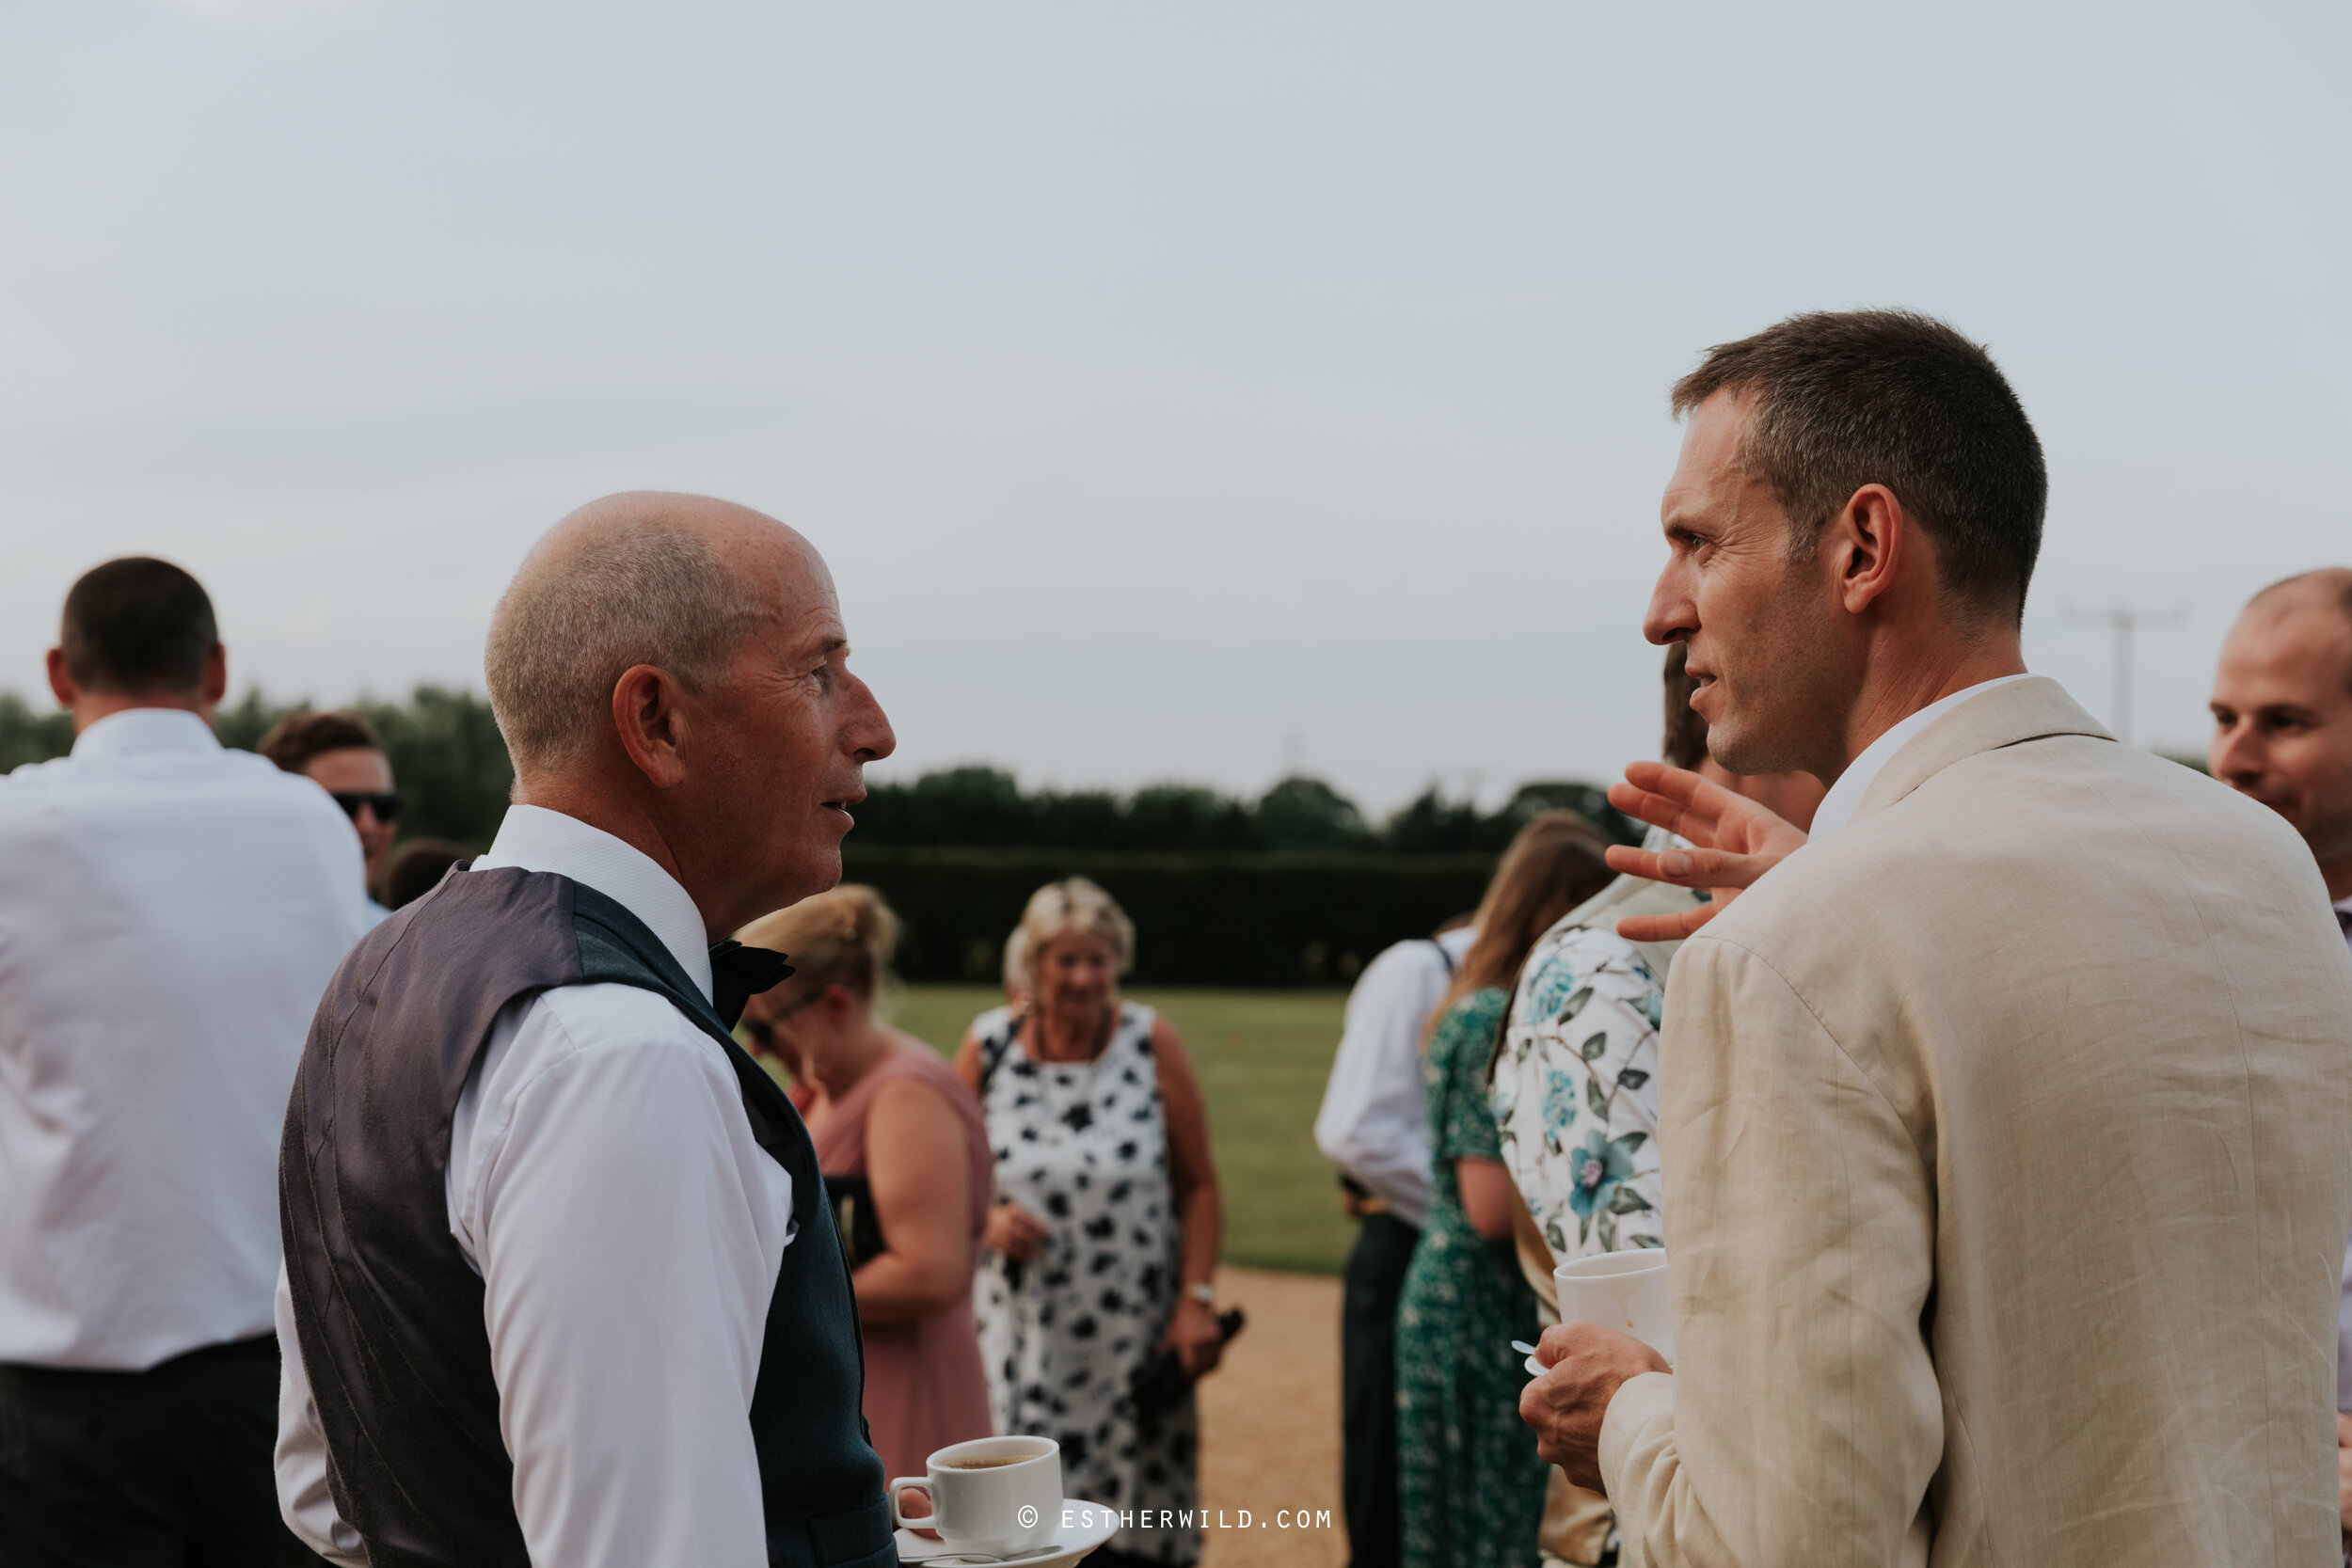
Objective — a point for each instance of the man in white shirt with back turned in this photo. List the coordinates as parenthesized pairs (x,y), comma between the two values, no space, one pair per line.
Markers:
(560,1287)
(170,911)
(1375,1126)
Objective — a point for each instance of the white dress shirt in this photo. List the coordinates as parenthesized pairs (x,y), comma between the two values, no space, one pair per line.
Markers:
(1375,1122)
(169,912)
(604,1182)
(1845,797)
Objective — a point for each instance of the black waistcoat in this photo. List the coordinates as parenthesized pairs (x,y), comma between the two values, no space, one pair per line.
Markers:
(390,1315)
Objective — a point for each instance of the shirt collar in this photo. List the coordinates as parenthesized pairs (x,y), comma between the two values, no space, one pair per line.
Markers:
(1838,806)
(537,839)
(145,729)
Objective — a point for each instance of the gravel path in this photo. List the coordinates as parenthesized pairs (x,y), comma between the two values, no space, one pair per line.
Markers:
(1270,1426)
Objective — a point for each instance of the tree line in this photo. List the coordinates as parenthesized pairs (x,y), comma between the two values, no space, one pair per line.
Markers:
(986,808)
(445,751)
(453,769)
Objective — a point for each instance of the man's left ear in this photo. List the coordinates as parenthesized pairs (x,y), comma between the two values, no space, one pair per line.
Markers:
(647,719)
(1867,540)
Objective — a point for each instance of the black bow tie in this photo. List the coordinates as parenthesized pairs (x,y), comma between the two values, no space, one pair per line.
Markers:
(738,974)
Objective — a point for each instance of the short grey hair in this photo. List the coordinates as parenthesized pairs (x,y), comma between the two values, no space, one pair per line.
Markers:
(1059,907)
(597,596)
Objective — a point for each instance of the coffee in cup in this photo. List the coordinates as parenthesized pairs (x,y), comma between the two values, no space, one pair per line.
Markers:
(991,1495)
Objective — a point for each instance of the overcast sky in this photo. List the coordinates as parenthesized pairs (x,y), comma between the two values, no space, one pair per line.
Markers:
(1178,391)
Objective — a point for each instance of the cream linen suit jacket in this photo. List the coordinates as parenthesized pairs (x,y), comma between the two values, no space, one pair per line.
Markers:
(2007,1156)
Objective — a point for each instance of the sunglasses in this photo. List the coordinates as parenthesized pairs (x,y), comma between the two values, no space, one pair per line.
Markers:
(385,805)
(763,1031)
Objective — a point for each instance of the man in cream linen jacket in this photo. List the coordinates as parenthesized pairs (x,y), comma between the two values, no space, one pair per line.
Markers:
(2009,1122)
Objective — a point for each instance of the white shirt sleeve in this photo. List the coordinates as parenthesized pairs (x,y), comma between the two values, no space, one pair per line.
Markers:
(1375,1122)
(630,1232)
(303,1497)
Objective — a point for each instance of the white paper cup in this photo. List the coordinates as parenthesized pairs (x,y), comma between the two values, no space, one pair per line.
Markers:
(1625,1290)
(992,1496)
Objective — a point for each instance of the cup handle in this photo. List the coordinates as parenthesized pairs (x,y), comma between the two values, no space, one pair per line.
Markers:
(922,1484)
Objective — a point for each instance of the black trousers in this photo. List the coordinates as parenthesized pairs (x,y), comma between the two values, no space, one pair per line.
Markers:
(1375,1279)
(164,1468)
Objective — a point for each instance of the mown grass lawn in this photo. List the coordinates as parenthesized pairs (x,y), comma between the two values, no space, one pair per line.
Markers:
(1263,1057)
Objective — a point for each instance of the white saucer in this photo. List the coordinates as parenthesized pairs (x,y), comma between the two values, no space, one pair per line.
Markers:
(1090,1525)
(1534,1368)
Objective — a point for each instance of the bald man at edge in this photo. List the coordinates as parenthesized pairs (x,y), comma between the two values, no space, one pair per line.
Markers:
(560,1288)
(2010,1129)
(2283,733)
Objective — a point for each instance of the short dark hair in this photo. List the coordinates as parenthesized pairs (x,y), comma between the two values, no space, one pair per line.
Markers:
(416,869)
(1686,728)
(137,627)
(300,739)
(1850,398)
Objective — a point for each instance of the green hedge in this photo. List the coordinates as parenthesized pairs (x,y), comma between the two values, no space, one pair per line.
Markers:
(1210,919)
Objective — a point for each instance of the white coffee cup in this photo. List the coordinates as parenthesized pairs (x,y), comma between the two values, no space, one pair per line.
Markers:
(1625,1290)
(992,1496)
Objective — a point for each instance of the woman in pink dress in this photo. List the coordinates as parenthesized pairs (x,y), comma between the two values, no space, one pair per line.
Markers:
(907,1168)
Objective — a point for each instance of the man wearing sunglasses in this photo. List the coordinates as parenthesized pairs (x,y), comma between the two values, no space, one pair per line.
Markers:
(339,753)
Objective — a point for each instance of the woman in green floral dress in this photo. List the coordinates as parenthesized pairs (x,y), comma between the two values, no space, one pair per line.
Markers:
(1472,1487)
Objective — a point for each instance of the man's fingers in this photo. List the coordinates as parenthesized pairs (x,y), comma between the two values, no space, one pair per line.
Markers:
(1679,785)
(1662,810)
(1659,865)
(1553,1343)
(1666,927)
(1697,868)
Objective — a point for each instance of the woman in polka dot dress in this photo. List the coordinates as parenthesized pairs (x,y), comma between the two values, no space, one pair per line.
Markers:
(1102,1241)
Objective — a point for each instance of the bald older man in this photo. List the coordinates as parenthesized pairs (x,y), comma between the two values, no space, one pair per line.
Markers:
(560,1288)
(2282,734)
(2282,715)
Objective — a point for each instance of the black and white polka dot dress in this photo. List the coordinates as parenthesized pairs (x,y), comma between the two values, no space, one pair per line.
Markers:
(1082,1146)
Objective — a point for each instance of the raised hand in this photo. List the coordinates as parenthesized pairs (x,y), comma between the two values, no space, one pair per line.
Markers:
(1733,842)
(1013,1231)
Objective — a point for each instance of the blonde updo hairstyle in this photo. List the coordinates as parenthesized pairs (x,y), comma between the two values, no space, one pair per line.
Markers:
(1061,908)
(843,937)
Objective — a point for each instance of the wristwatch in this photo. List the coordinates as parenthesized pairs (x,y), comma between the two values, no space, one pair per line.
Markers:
(1204,1292)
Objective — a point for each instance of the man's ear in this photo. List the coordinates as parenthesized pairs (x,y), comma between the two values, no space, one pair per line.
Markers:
(61,680)
(215,686)
(648,715)
(1865,544)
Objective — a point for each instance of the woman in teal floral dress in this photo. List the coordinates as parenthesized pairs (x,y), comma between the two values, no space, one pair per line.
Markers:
(1472,1487)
